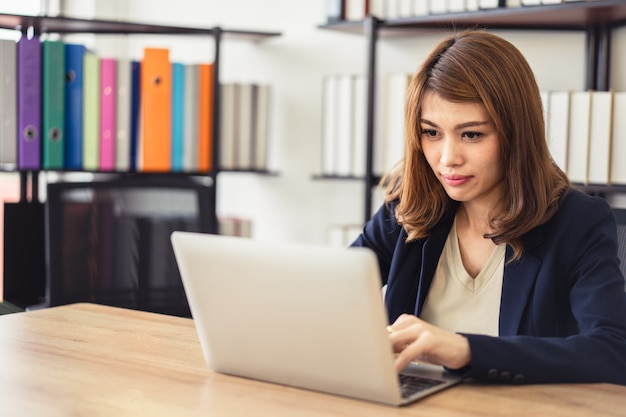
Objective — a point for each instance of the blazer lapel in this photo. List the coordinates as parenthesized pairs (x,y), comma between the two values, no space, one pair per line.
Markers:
(518,283)
(431,252)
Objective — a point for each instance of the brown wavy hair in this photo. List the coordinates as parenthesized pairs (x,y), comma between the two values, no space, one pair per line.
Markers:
(476,66)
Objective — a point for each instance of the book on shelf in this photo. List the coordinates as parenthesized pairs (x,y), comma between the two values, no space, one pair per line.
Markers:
(404,8)
(190,117)
(356,10)
(135,113)
(73,124)
(471,5)
(618,144)
(600,137)
(91,112)
(261,125)
(491,4)
(29,102)
(438,7)
(335,11)
(396,85)
(228,140)
(123,115)
(234,226)
(344,129)
(178,113)
(205,109)
(329,123)
(108,89)
(558,126)
(420,7)
(244,122)
(156,90)
(457,6)
(344,123)
(359,123)
(245,115)
(52,104)
(579,125)
(8,101)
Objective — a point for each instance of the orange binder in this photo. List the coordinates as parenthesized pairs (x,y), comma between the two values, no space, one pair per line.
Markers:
(156,86)
(205,111)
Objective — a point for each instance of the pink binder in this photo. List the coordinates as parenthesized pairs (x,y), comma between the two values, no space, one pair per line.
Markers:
(108,71)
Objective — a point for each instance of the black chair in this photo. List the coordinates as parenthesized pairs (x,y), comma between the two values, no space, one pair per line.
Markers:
(108,242)
(620,219)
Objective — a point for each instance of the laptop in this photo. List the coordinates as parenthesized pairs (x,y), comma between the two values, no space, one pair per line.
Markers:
(302,315)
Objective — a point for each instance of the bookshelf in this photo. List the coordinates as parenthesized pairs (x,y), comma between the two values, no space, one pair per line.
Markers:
(596,19)
(30,211)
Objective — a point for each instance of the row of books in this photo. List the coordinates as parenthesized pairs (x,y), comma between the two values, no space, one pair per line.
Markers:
(344,118)
(355,10)
(586,133)
(245,119)
(63,107)
(234,226)
(585,130)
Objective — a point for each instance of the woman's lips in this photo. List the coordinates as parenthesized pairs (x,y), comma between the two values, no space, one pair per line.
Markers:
(456,180)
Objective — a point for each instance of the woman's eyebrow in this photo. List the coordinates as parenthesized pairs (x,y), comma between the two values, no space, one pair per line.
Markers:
(459,126)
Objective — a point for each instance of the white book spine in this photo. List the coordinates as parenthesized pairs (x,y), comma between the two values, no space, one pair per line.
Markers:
(359,148)
(618,144)
(329,123)
(600,137)
(438,7)
(262,126)
(395,94)
(405,8)
(8,100)
(578,146)
(228,147)
(244,127)
(472,5)
(122,145)
(421,7)
(456,6)
(190,118)
(558,126)
(345,119)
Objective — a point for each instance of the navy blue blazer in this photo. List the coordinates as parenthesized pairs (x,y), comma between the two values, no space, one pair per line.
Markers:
(563,305)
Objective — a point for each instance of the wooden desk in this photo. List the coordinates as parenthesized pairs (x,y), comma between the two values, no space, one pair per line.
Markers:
(89,360)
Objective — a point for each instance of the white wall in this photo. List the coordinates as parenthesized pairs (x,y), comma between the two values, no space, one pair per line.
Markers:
(292,206)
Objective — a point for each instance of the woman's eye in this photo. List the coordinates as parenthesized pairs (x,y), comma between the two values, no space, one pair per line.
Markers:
(472,135)
(429,132)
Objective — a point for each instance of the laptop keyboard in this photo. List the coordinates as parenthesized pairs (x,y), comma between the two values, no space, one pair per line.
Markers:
(411,384)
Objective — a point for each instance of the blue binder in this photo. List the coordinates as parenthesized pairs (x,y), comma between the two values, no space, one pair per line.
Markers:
(74,55)
(178,106)
(135,103)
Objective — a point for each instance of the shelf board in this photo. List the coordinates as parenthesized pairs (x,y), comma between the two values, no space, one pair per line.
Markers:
(565,16)
(68,25)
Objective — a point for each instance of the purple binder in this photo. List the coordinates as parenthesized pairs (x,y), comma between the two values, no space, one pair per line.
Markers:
(29,102)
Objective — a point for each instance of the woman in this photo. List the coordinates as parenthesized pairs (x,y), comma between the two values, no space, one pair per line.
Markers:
(495,267)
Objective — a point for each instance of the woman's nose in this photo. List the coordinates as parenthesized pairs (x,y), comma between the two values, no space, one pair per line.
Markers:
(450,152)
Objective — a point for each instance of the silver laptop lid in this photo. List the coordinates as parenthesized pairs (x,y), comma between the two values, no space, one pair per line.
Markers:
(296,314)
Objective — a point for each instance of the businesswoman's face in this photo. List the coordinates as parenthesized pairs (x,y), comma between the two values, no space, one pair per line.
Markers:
(462,148)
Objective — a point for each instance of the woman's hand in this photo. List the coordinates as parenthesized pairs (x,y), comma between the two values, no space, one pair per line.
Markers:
(414,339)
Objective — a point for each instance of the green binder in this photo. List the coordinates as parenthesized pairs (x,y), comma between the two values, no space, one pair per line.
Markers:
(53,104)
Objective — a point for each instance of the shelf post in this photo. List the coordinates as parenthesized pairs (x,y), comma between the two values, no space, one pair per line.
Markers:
(603,58)
(216,136)
(371,34)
